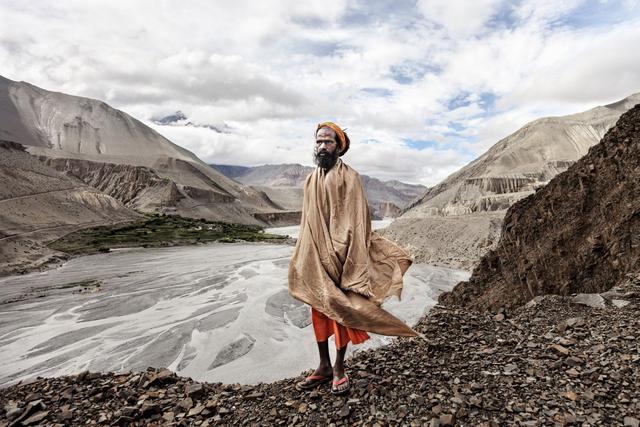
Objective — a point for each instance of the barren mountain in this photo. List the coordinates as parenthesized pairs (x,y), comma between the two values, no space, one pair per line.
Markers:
(580,233)
(106,148)
(283,184)
(39,204)
(474,200)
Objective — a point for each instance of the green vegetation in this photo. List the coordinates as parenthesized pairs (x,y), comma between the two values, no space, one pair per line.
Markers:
(160,230)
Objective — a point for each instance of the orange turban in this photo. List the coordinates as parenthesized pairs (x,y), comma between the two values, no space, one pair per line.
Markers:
(343,140)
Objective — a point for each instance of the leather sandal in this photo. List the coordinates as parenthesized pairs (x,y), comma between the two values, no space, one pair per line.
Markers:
(338,391)
(313,381)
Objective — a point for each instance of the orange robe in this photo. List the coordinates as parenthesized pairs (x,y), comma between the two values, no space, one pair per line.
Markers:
(324,327)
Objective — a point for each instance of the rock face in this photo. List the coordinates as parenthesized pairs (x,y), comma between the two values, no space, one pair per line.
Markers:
(580,233)
(512,169)
(39,204)
(138,187)
(283,185)
(107,147)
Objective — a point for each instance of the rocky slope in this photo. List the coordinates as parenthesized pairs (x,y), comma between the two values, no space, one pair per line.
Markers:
(553,362)
(510,170)
(39,204)
(579,233)
(448,240)
(283,185)
(100,140)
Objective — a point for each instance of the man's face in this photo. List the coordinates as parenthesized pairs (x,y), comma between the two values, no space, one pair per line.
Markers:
(326,149)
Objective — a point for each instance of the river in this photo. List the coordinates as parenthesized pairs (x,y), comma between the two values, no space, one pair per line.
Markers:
(216,312)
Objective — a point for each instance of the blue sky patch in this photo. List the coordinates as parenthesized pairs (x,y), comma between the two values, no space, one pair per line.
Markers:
(488,101)
(461,100)
(408,72)
(374,11)
(594,13)
(418,144)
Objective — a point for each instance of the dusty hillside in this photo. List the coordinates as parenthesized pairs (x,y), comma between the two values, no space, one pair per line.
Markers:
(283,185)
(39,204)
(510,170)
(458,241)
(100,140)
(580,233)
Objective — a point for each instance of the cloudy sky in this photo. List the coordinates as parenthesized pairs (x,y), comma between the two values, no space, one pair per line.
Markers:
(423,87)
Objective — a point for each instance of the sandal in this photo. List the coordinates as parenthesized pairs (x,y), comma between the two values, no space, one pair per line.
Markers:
(338,391)
(313,381)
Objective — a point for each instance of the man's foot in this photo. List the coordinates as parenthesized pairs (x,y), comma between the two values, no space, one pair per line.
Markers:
(319,376)
(340,385)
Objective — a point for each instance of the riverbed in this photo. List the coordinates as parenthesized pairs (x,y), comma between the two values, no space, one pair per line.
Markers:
(216,312)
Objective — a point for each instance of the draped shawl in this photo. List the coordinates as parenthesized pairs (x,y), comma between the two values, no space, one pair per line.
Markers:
(339,266)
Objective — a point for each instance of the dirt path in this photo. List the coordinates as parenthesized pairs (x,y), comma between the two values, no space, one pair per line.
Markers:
(44,192)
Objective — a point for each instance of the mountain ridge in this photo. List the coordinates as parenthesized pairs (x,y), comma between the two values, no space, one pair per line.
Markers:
(578,234)
(283,183)
(458,220)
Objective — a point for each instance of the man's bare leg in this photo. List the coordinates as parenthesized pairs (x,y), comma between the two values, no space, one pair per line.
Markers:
(324,368)
(338,369)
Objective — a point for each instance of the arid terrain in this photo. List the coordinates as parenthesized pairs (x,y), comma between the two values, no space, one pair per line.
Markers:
(457,221)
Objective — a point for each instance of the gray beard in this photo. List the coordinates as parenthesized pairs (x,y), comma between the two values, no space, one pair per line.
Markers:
(326,160)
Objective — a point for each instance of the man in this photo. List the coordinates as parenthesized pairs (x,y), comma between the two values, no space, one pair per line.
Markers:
(340,267)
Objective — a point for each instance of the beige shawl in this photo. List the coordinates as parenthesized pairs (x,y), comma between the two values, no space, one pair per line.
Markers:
(339,266)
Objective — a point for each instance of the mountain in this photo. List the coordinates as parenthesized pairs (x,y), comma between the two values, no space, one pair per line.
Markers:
(458,220)
(39,204)
(118,154)
(578,234)
(283,185)
(231,171)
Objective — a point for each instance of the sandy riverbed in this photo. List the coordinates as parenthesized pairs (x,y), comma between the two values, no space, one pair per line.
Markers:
(218,312)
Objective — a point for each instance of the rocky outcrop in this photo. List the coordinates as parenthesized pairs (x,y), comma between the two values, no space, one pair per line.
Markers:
(385,210)
(580,233)
(138,187)
(511,170)
(551,363)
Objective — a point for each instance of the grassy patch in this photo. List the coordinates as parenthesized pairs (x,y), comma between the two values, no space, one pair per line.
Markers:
(160,230)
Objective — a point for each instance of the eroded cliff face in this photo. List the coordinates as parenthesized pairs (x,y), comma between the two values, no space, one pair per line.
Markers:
(136,186)
(385,210)
(580,233)
(145,189)
(39,204)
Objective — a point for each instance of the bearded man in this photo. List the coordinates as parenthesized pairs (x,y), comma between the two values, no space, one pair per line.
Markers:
(342,269)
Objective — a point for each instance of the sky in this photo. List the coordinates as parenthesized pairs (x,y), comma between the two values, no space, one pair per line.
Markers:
(422,87)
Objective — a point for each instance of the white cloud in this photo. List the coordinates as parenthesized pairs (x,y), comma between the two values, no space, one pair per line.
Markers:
(388,71)
(459,18)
